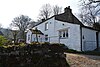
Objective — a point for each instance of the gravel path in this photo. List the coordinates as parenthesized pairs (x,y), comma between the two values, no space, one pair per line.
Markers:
(76,60)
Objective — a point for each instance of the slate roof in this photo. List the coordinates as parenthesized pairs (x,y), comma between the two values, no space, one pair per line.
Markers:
(68,17)
(36,31)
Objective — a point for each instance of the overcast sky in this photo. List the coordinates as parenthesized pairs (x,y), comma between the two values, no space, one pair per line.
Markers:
(13,8)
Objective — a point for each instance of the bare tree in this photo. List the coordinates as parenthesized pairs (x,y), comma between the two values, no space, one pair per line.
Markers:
(22,22)
(0,26)
(94,1)
(45,11)
(89,11)
(57,10)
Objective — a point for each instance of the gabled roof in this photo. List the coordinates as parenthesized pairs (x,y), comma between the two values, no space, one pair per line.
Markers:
(36,31)
(91,28)
(44,21)
(68,18)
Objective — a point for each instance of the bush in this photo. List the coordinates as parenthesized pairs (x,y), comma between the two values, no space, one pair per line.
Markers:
(96,26)
(45,44)
(35,43)
(22,44)
(83,52)
(71,51)
(58,44)
(91,53)
(3,40)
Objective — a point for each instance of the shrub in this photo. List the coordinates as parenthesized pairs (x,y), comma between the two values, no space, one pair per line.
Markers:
(58,44)
(91,53)
(45,43)
(3,40)
(71,51)
(96,26)
(35,43)
(22,44)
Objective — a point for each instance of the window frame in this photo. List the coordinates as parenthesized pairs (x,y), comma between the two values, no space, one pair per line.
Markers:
(29,37)
(46,37)
(63,34)
(46,26)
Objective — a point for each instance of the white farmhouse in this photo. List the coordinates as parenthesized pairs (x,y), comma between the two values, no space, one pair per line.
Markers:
(67,29)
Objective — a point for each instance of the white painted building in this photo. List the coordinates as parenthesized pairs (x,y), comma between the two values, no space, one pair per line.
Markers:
(65,28)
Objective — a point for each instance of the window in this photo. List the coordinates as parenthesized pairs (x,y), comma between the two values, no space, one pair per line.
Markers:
(28,37)
(50,22)
(46,37)
(63,24)
(46,26)
(63,33)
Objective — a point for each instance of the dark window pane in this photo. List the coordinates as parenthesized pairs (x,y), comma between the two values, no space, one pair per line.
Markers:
(66,34)
(46,37)
(63,33)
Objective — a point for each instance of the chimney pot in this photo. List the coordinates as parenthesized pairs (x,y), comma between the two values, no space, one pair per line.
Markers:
(69,7)
(43,20)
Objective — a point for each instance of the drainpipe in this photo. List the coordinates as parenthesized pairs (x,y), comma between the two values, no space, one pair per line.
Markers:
(97,40)
(59,38)
(81,38)
(31,38)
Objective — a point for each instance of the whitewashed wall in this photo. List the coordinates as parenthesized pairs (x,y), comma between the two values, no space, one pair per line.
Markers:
(99,39)
(73,40)
(28,33)
(88,39)
(50,32)
(33,37)
(74,35)
(40,38)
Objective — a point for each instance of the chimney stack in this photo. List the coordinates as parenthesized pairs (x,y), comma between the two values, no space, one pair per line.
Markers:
(68,10)
(43,20)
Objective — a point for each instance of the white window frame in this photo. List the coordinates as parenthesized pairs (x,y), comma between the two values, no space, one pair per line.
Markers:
(46,26)
(46,37)
(28,37)
(63,33)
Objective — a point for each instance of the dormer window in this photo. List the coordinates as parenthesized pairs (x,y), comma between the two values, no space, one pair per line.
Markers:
(46,26)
